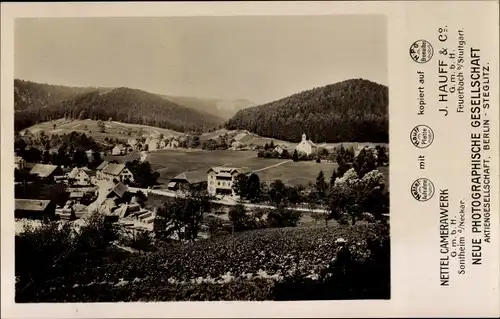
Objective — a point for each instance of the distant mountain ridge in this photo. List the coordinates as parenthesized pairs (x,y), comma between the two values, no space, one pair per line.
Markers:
(219,107)
(354,110)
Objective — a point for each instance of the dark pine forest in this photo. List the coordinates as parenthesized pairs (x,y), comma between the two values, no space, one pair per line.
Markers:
(349,111)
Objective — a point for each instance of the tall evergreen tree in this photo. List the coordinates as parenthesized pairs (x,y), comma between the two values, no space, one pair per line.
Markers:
(321,186)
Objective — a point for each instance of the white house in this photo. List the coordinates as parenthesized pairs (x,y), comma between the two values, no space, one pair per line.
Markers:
(236,145)
(306,146)
(81,176)
(118,150)
(162,144)
(90,154)
(19,162)
(110,172)
(174,143)
(132,142)
(279,149)
(221,180)
(152,144)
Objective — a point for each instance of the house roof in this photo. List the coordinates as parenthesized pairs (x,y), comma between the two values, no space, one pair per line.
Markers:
(76,195)
(32,204)
(119,189)
(192,177)
(73,172)
(229,170)
(120,211)
(171,184)
(114,169)
(18,159)
(102,165)
(43,170)
(82,189)
(89,171)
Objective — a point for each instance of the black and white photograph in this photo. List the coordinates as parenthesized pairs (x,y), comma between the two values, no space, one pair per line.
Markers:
(201,158)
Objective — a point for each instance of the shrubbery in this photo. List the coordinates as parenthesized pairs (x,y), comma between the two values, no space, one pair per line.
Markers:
(50,255)
(272,264)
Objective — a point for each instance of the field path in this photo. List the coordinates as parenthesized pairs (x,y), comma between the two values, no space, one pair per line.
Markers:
(271,166)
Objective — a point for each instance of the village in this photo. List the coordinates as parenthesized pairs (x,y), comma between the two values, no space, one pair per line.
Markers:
(108,187)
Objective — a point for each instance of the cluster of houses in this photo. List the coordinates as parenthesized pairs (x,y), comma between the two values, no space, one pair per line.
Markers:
(87,190)
(106,190)
(157,143)
(149,142)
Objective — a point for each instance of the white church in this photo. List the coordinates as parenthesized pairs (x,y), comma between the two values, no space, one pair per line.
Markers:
(306,146)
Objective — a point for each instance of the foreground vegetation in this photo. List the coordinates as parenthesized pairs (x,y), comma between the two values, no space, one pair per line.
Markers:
(270,264)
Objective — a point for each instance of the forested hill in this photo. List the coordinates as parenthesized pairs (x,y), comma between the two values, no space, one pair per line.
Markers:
(29,94)
(120,104)
(350,111)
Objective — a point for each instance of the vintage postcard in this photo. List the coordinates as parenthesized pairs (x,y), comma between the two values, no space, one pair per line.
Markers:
(250,159)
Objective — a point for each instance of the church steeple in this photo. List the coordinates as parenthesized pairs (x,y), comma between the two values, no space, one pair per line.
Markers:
(304,137)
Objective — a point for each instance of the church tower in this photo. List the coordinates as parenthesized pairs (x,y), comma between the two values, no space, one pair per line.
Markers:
(304,137)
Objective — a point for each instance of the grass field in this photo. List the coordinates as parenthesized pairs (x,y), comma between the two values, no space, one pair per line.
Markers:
(113,129)
(170,163)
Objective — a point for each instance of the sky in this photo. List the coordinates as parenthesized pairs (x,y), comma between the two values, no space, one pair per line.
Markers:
(256,58)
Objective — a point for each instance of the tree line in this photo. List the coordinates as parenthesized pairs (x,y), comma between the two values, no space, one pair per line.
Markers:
(348,111)
(63,150)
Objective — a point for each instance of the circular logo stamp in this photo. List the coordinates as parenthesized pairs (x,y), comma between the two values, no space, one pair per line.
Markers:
(422,136)
(421,51)
(422,189)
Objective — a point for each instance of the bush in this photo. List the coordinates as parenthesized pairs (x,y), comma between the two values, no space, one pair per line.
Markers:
(54,252)
(140,240)
(368,217)
(344,219)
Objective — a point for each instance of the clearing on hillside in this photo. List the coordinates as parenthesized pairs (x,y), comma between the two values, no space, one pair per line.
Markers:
(113,129)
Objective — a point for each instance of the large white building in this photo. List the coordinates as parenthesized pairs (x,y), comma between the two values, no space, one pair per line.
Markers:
(221,180)
(306,146)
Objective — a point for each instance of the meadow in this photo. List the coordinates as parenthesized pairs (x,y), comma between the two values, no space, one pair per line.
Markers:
(113,129)
(170,163)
